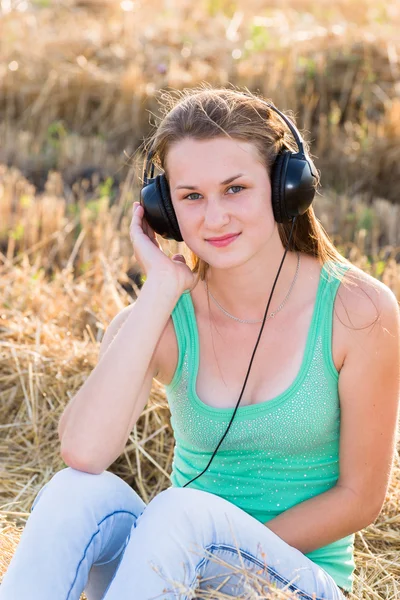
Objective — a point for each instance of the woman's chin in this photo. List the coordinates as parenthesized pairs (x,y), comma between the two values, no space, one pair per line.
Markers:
(225,262)
(219,258)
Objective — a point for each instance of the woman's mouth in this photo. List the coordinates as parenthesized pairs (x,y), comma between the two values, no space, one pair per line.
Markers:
(223,241)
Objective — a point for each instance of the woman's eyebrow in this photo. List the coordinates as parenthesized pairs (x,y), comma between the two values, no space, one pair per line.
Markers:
(191,187)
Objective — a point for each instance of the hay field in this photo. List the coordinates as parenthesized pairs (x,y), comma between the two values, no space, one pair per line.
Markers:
(66,261)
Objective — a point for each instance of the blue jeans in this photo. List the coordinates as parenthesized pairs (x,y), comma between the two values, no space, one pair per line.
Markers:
(93,533)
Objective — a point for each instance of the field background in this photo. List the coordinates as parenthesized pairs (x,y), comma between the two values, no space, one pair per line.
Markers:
(79,90)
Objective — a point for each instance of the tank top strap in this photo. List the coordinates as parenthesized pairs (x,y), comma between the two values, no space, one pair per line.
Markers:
(332,274)
(183,320)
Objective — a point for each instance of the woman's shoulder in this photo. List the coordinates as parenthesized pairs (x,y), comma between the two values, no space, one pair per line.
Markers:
(364,304)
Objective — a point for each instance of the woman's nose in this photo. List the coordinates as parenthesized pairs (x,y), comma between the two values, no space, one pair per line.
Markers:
(216,215)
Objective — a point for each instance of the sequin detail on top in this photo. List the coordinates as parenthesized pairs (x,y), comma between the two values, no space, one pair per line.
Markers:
(277,453)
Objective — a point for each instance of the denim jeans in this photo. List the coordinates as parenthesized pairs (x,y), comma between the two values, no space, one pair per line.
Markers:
(94,533)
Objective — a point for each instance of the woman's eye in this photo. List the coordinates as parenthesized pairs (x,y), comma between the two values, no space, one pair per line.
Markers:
(237,187)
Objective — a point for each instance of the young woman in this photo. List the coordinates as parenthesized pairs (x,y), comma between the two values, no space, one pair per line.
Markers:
(306,460)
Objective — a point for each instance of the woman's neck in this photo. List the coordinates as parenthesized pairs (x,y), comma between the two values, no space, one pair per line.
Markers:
(244,291)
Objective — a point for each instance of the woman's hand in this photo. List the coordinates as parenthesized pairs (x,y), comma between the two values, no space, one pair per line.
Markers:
(153,261)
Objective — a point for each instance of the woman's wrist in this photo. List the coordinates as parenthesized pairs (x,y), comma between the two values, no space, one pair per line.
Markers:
(163,284)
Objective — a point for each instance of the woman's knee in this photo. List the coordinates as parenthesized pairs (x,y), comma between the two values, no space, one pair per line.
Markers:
(70,486)
(179,504)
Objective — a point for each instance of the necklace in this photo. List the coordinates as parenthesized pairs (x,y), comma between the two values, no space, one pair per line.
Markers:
(270,315)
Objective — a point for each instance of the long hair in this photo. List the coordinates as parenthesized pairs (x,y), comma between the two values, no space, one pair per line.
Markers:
(205,112)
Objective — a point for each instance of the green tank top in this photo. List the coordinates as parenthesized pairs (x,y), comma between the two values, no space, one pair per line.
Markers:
(277,453)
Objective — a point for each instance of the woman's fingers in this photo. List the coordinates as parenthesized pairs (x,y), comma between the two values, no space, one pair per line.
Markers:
(145,227)
(179,257)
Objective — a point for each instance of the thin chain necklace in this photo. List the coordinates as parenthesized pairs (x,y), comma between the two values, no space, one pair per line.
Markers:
(269,316)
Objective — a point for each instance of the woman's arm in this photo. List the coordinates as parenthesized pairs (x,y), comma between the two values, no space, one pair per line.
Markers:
(108,337)
(369,390)
(101,415)
(321,520)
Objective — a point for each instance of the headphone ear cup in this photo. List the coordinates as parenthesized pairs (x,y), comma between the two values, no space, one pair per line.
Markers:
(169,209)
(292,186)
(277,187)
(158,210)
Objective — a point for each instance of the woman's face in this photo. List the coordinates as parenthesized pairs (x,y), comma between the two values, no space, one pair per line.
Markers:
(219,186)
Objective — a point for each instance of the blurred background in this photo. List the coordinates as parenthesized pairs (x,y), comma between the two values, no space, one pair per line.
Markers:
(79,82)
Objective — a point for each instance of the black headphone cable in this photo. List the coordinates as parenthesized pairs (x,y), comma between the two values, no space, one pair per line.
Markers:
(254,351)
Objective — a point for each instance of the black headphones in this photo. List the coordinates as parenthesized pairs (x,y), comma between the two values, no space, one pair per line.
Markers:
(292,191)
(293,176)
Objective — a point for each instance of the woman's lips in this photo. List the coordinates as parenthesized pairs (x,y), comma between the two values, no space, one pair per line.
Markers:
(223,242)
